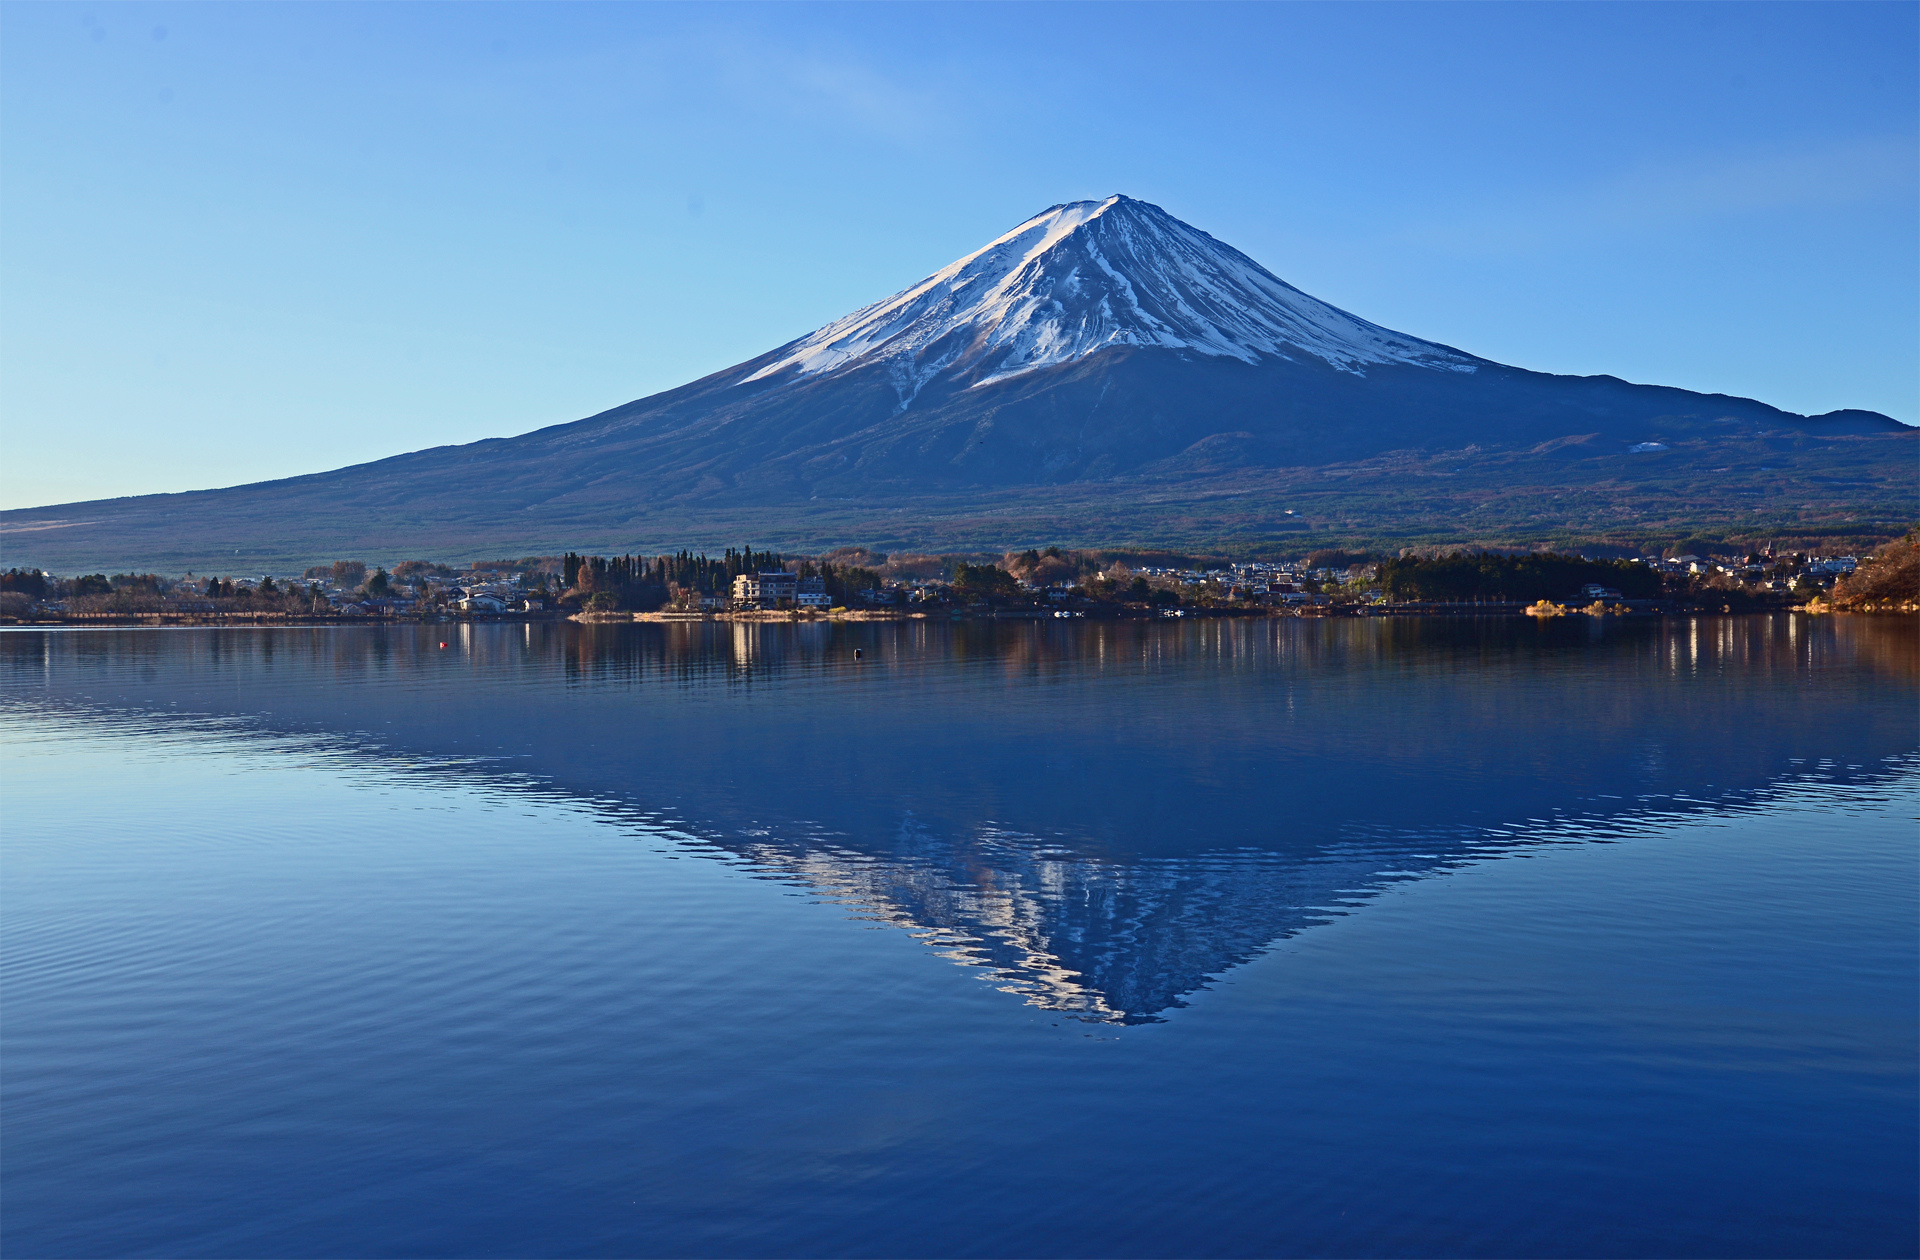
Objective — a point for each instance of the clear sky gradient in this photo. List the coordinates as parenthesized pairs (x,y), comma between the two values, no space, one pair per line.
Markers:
(247,241)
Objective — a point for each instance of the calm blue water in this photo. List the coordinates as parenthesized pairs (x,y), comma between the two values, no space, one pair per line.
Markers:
(1275,938)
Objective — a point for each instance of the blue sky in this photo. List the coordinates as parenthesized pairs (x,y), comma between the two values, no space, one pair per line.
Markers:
(247,241)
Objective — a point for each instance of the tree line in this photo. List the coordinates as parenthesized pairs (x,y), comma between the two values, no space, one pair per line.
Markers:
(643,584)
(1466,577)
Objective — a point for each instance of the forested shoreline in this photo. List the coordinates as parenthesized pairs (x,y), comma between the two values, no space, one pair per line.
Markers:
(1073,582)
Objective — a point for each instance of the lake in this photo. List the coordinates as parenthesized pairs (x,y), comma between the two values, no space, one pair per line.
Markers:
(1223,938)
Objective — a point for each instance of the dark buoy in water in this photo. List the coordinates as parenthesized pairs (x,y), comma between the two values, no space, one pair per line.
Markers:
(856,654)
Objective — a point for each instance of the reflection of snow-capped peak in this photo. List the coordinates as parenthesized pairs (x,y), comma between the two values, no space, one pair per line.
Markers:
(1086,276)
(1104,942)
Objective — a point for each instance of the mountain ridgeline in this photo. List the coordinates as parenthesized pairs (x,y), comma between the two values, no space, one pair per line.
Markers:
(1103,374)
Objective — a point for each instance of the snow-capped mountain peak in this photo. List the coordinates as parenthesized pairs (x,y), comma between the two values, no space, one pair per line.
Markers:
(1087,276)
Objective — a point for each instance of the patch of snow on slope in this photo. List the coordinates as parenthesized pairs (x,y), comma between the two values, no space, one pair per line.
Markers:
(1087,275)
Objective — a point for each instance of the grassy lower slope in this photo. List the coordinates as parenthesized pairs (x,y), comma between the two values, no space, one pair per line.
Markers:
(1790,488)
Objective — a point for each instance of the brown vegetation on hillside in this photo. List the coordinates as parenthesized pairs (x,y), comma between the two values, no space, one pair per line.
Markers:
(1889,581)
(414,570)
(858,557)
(904,566)
(1042,568)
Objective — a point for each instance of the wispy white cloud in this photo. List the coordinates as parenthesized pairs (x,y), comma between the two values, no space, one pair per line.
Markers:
(718,71)
(852,92)
(1670,195)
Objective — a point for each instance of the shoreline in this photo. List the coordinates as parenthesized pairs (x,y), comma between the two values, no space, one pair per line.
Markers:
(859,615)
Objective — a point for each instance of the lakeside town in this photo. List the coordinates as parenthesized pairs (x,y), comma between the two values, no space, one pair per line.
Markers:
(854,583)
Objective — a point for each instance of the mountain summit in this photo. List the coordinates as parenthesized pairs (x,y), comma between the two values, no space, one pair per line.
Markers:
(1089,276)
(1103,374)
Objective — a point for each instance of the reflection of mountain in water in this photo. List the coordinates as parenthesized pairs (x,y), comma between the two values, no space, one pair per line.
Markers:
(1107,816)
(1098,940)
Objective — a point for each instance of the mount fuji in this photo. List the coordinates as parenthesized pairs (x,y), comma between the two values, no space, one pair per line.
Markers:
(1090,276)
(1103,374)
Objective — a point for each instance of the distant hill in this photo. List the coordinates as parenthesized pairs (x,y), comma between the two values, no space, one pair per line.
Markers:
(1102,375)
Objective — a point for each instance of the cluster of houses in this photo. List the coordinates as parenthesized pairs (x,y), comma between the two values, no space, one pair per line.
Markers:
(1775,574)
(1278,584)
(469,593)
(1257,583)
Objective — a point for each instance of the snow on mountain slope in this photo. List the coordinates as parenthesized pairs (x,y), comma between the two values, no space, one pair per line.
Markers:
(1085,276)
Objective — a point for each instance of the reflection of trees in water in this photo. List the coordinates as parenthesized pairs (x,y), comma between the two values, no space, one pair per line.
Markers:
(1107,815)
(1887,645)
(615,652)
(1409,644)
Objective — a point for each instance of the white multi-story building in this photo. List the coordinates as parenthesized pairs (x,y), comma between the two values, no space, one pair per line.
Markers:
(767,590)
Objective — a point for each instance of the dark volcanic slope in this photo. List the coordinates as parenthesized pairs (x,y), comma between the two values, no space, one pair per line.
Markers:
(1103,374)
